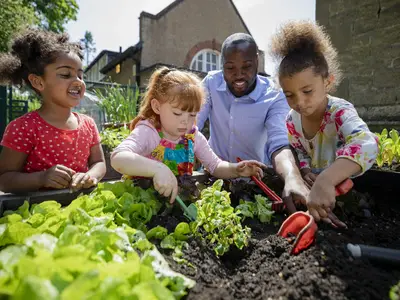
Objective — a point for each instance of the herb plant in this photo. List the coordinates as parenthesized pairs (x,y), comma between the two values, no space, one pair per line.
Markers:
(217,222)
(261,208)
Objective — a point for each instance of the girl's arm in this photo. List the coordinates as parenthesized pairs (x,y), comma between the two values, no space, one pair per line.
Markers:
(358,143)
(11,177)
(226,170)
(223,169)
(340,170)
(246,168)
(355,155)
(133,164)
(97,163)
(129,159)
(13,180)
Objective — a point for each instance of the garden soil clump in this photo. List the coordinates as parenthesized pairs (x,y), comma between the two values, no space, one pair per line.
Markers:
(266,270)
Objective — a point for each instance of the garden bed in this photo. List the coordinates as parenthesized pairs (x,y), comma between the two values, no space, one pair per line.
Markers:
(265,270)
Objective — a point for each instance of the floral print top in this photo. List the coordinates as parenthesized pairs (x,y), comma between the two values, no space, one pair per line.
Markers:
(342,134)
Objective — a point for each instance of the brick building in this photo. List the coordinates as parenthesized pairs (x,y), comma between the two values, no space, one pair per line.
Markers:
(186,34)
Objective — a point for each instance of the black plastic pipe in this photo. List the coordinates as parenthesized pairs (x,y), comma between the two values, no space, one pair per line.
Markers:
(377,254)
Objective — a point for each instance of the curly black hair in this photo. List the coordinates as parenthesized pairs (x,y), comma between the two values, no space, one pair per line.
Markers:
(31,51)
(299,45)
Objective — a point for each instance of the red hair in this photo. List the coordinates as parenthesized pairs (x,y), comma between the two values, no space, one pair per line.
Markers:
(182,88)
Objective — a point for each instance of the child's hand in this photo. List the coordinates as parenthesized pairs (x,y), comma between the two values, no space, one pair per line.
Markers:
(309,177)
(165,182)
(334,221)
(57,177)
(322,199)
(247,168)
(82,181)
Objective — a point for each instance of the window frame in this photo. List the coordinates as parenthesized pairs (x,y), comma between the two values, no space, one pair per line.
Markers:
(195,61)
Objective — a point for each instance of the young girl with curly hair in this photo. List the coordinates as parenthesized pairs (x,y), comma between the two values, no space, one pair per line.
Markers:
(51,147)
(332,142)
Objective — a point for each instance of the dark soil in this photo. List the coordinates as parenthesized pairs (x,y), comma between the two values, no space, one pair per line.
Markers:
(266,270)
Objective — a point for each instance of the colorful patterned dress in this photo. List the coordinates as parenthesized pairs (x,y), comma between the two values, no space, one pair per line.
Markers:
(342,134)
(178,157)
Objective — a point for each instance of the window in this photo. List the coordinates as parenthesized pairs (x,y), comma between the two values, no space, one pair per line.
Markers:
(206,60)
(118,68)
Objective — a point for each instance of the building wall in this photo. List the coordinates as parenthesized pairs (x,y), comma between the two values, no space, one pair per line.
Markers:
(94,73)
(127,74)
(170,38)
(367,35)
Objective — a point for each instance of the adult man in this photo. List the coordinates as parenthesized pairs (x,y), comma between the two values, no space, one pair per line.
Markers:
(247,115)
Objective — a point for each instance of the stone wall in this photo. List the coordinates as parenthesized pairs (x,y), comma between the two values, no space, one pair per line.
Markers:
(367,36)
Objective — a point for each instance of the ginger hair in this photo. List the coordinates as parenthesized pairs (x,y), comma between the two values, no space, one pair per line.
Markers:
(299,45)
(180,88)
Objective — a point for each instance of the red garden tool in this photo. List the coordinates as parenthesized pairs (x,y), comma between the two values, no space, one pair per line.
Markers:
(301,227)
(277,202)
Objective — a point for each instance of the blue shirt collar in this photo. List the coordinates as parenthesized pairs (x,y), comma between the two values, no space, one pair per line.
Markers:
(261,87)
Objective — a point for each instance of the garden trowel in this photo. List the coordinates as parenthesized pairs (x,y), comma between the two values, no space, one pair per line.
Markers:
(190,211)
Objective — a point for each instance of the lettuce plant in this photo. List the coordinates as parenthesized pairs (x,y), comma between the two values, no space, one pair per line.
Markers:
(91,249)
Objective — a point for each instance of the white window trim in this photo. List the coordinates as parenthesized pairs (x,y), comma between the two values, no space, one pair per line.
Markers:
(204,61)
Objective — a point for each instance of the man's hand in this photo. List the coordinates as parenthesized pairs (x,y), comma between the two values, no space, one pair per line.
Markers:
(294,192)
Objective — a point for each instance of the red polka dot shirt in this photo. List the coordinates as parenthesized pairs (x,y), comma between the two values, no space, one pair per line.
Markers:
(47,145)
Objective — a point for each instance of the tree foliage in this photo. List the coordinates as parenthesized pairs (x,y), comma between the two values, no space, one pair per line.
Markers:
(88,45)
(18,14)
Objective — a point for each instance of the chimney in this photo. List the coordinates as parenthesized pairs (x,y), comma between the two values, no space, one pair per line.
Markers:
(120,49)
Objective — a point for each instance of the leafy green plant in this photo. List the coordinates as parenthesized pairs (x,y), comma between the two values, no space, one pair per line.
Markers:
(217,222)
(34,104)
(261,208)
(394,293)
(119,104)
(112,137)
(389,148)
(87,249)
